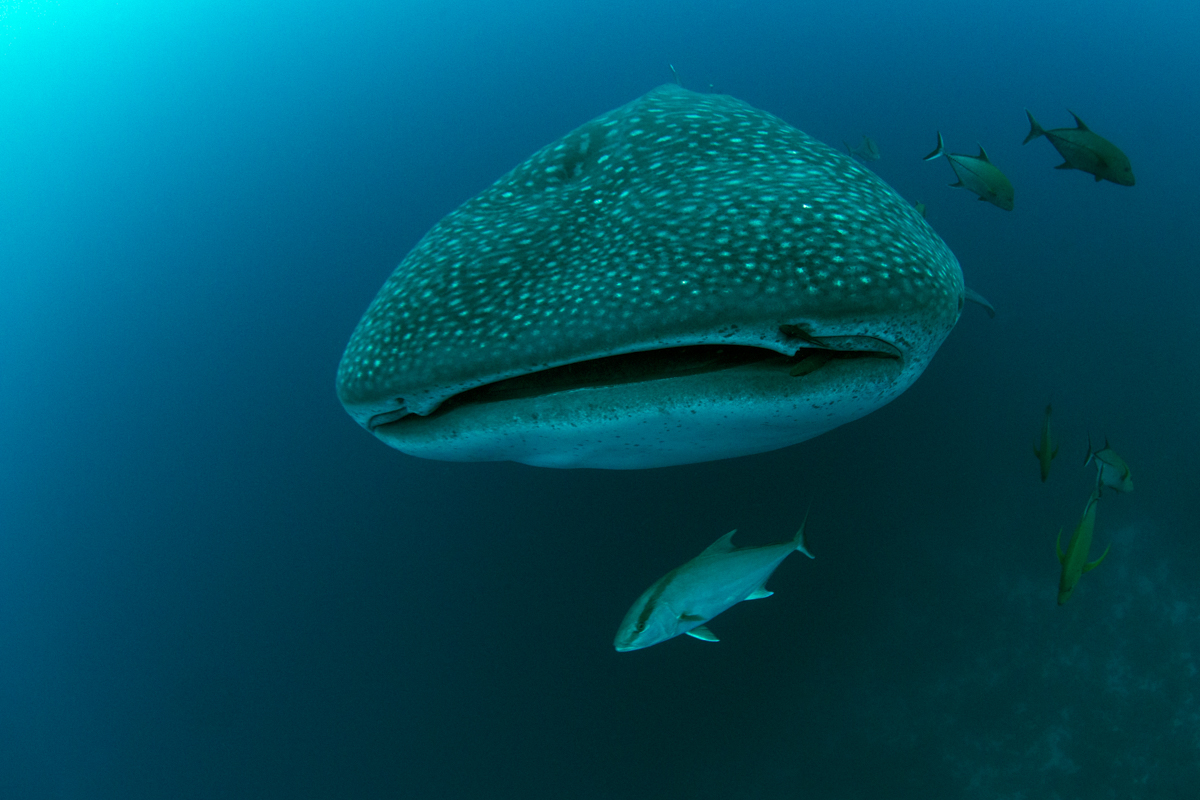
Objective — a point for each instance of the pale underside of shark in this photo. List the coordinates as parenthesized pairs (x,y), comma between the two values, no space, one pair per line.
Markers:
(682,279)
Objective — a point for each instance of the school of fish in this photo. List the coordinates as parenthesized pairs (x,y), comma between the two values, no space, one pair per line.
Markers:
(1081,149)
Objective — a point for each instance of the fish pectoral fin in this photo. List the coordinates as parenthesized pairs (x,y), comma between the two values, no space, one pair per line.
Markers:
(958,183)
(1062,557)
(703,634)
(1065,165)
(1055,453)
(1096,563)
(1098,179)
(759,593)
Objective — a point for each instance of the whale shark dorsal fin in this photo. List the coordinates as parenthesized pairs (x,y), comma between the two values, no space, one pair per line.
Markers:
(703,634)
(722,545)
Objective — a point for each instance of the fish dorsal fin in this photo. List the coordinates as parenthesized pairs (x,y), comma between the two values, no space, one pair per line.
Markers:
(983,154)
(1079,126)
(722,545)
(703,634)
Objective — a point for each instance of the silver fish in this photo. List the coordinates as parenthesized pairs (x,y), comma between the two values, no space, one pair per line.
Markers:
(1086,151)
(1111,469)
(637,293)
(687,597)
(977,174)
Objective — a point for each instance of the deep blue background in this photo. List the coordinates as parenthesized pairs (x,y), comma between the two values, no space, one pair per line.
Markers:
(213,584)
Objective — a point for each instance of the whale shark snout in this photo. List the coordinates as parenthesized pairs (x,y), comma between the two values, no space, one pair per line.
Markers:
(682,279)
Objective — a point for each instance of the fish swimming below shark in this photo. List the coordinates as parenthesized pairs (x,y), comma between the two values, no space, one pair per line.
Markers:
(641,293)
(687,597)
(1074,561)
(1045,450)
(1111,470)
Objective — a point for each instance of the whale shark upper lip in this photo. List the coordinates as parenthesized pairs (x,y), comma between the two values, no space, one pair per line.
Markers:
(643,365)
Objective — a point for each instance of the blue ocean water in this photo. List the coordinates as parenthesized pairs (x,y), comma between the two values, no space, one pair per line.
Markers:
(213,584)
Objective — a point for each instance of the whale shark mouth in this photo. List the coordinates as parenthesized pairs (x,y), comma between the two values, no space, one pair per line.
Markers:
(645,366)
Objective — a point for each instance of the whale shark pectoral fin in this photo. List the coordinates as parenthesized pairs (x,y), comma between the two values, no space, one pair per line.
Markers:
(1062,557)
(759,593)
(703,634)
(1096,563)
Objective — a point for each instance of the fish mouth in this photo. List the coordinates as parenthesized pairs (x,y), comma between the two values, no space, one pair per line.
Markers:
(656,407)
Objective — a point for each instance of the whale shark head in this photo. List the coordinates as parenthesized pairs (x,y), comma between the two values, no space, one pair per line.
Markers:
(683,279)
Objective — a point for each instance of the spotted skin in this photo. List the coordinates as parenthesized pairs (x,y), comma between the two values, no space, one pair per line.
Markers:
(678,219)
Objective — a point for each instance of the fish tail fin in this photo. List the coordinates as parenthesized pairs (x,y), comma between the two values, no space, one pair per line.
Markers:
(1035,130)
(799,540)
(937,151)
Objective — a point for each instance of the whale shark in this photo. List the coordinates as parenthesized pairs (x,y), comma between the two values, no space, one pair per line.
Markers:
(682,279)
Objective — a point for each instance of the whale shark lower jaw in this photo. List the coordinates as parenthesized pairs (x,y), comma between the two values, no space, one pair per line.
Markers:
(654,408)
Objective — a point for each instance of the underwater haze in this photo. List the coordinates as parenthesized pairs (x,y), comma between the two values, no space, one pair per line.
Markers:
(215,584)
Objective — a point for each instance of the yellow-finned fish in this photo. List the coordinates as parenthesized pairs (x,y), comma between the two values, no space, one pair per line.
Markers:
(1074,561)
(1044,451)
(687,597)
